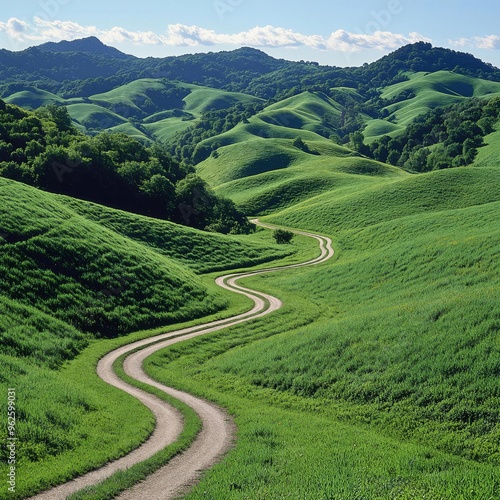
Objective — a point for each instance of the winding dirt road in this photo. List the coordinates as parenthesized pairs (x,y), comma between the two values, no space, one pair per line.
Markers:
(218,430)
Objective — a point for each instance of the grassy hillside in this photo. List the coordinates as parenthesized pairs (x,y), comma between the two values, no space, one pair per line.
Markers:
(381,202)
(269,172)
(73,272)
(154,109)
(94,117)
(423,92)
(379,379)
(489,155)
(34,98)
(147,108)
(64,264)
(129,271)
(308,111)
(305,181)
(159,115)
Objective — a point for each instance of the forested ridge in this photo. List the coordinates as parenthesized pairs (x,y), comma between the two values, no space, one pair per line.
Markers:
(445,137)
(84,67)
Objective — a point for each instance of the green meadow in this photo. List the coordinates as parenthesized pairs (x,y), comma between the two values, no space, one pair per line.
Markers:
(76,279)
(379,377)
(147,109)
(422,93)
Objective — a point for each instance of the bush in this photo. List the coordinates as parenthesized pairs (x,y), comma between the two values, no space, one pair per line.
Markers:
(283,237)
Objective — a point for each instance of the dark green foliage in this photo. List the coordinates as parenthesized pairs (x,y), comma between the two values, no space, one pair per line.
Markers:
(183,146)
(42,148)
(443,138)
(282,236)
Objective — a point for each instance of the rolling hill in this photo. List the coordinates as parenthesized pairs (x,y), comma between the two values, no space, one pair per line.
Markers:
(385,361)
(149,109)
(75,273)
(377,379)
(426,91)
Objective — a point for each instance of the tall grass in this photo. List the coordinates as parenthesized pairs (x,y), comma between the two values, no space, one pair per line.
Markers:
(71,273)
(389,388)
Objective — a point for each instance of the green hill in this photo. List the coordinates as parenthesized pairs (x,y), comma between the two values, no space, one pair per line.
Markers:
(424,92)
(307,111)
(74,272)
(262,167)
(489,155)
(94,117)
(392,346)
(34,98)
(83,249)
(147,108)
(301,177)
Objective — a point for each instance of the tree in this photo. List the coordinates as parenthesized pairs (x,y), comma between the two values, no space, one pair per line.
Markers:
(282,236)
(161,195)
(58,114)
(356,142)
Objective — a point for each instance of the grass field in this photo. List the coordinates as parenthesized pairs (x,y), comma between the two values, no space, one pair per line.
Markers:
(142,109)
(34,98)
(264,175)
(489,154)
(379,378)
(74,273)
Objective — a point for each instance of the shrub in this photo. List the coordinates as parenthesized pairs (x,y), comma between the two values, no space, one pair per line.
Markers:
(283,237)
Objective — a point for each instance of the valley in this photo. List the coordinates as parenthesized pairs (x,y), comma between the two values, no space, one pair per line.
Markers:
(378,375)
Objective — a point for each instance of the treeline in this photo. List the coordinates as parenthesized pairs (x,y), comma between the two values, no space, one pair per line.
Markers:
(42,148)
(184,146)
(443,138)
(289,80)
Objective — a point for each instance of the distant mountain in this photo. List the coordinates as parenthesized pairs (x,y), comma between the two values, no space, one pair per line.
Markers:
(81,68)
(423,56)
(90,45)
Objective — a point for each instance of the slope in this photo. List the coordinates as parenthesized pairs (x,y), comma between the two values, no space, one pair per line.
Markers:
(385,362)
(489,154)
(147,108)
(74,272)
(277,159)
(422,93)
(33,98)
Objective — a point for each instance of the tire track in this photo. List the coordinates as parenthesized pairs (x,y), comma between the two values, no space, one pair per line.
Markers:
(218,430)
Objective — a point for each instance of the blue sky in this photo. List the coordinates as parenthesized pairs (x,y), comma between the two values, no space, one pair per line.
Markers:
(336,32)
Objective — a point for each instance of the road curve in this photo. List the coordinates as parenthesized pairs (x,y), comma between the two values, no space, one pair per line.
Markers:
(217,434)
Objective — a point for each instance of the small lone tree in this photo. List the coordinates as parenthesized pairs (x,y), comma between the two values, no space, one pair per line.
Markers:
(282,236)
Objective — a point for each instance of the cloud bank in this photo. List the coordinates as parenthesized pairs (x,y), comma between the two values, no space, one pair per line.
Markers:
(491,42)
(180,35)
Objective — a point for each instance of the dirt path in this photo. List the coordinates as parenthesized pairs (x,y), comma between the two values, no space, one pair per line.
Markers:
(217,433)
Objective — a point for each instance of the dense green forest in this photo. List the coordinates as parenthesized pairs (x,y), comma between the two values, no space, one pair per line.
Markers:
(42,148)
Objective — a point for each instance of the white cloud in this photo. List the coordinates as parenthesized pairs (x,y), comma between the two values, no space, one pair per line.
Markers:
(491,42)
(121,35)
(383,40)
(18,30)
(270,36)
(488,42)
(180,35)
(63,30)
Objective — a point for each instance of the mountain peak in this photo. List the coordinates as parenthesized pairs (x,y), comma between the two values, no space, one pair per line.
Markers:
(89,45)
